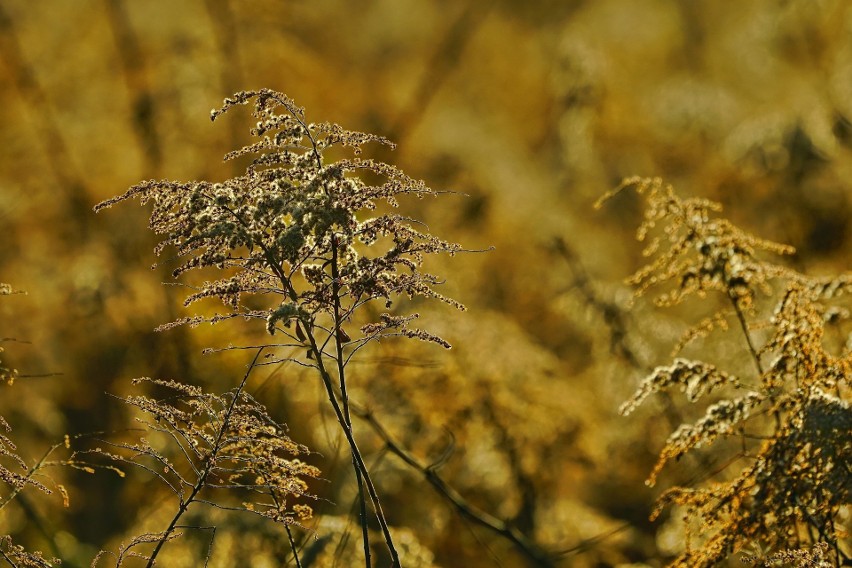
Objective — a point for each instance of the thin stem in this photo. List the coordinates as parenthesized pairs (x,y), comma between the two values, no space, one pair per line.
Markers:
(293,546)
(7,559)
(747,334)
(356,453)
(290,539)
(755,356)
(337,332)
(536,555)
(209,463)
(28,477)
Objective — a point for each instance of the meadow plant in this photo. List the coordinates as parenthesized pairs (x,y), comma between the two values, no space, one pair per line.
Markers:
(218,444)
(783,484)
(17,477)
(303,249)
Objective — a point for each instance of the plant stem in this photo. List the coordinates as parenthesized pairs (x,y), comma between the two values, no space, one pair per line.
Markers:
(293,547)
(209,463)
(356,453)
(344,396)
(534,553)
(744,327)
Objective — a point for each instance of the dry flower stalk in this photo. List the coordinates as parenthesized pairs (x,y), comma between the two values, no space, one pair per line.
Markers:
(225,451)
(791,419)
(300,232)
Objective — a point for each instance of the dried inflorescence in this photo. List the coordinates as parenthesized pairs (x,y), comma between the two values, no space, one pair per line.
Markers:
(697,252)
(21,476)
(8,451)
(791,421)
(818,556)
(7,374)
(15,555)
(300,232)
(221,450)
(298,228)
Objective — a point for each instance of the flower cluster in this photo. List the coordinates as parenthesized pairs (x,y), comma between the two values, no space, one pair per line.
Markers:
(15,555)
(694,378)
(224,441)
(817,556)
(297,228)
(19,477)
(791,427)
(221,450)
(696,252)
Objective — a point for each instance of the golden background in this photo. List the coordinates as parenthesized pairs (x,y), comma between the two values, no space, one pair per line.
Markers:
(532,109)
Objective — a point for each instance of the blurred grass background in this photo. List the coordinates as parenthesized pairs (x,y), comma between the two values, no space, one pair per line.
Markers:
(531,109)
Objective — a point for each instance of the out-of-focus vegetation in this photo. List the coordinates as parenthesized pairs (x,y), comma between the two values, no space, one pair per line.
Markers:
(532,109)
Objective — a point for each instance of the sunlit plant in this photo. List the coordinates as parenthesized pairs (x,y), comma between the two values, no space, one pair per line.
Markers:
(783,489)
(304,233)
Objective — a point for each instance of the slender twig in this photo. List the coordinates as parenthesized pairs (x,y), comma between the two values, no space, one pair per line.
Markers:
(525,516)
(531,550)
(356,452)
(208,464)
(293,546)
(590,542)
(28,476)
(341,375)
(746,333)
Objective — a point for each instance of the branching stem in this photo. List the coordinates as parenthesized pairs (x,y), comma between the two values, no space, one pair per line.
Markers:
(209,464)
(534,553)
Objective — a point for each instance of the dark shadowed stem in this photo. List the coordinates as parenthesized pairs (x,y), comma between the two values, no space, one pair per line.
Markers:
(344,396)
(293,547)
(440,66)
(534,553)
(228,44)
(209,463)
(747,334)
(591,542)
(525,516)
(328,383)
(822,531)
(616,321)
(144,115)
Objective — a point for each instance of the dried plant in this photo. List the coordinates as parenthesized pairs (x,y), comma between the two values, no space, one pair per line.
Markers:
(15,555)
(223,450)
(8,450)
(785,484)
(819,556)
(16,476)
(7,374)
(301,233)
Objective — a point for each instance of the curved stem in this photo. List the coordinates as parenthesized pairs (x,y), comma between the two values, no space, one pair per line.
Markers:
(535,554)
